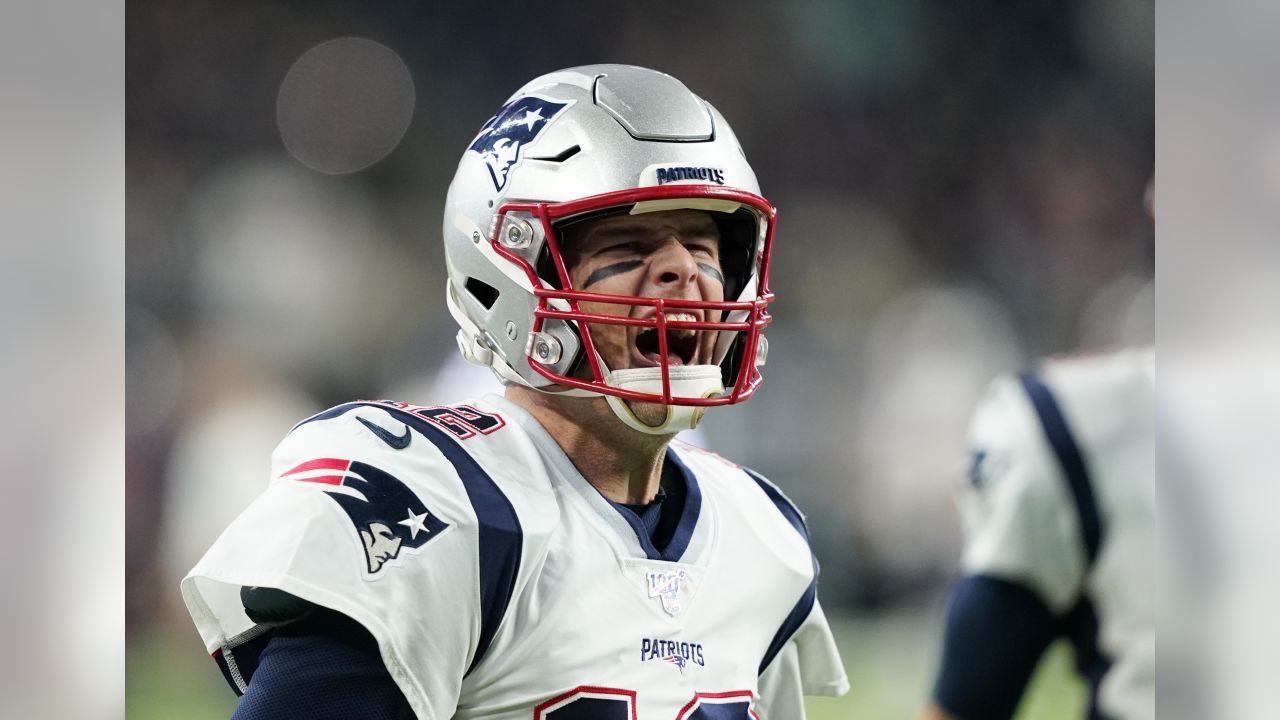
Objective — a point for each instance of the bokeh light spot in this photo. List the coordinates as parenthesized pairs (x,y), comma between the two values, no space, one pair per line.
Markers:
(344,105)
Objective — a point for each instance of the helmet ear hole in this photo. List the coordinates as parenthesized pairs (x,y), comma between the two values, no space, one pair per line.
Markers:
(738,233)
(546,268)
(483,292)
(733,361)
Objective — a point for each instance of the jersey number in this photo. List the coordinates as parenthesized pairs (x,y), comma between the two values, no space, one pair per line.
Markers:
(602,703)
(463,421)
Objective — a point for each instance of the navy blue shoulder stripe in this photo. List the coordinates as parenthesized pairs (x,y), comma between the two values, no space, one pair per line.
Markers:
(334,412)
(501,537)
(804,605)
(1069,457)
(785,506)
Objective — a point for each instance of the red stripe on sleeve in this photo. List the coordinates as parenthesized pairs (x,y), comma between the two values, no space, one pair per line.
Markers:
(320,464)
(326,479)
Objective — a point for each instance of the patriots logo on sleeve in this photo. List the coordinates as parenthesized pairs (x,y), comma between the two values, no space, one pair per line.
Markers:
(387,515)
(517,124)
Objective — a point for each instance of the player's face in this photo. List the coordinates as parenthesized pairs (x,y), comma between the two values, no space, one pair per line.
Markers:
(671,254)
(380,545)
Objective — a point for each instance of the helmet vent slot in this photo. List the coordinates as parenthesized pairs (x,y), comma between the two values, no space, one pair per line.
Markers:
(483,292)
(560,156)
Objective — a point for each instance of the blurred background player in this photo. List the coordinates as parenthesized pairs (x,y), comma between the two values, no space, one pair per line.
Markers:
(1035,532)
(547,554)
(1059,516)
(1058,511)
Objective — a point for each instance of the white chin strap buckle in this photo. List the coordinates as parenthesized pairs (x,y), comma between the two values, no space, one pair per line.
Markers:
(686,381)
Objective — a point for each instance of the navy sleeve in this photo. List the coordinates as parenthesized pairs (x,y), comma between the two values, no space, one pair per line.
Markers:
(325,666)
(996,631)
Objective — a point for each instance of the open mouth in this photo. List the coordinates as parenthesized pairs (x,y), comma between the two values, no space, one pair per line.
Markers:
(682,343)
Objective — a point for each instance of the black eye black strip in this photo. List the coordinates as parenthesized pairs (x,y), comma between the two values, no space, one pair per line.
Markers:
(609,271)
(711,272)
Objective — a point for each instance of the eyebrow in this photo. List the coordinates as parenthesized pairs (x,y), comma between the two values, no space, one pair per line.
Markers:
(688,228)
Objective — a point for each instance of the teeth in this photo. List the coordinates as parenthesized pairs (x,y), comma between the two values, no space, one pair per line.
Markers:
(678,335)
(682,332)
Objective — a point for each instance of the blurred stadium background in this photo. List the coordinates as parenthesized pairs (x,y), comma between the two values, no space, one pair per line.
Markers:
(959,189)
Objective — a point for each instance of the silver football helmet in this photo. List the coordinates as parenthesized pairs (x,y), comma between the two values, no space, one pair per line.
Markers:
(582,143)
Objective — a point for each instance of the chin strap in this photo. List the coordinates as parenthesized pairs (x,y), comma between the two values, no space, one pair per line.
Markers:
(686,381)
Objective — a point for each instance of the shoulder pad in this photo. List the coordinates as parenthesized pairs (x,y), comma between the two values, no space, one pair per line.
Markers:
(271,606)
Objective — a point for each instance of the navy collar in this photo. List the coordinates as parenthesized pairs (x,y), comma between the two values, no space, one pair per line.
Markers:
(665,526)
(652,513)
(678,516)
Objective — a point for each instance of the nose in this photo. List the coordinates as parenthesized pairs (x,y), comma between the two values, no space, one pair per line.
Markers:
(673,264)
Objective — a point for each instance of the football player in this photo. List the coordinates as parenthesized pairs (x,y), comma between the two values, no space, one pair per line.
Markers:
(550,554)
(1059,514)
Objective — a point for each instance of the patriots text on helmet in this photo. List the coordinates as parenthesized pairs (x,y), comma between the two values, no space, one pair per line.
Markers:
(676,174)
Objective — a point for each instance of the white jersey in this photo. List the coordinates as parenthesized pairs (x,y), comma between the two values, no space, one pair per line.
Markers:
(1061,499)
(500,584)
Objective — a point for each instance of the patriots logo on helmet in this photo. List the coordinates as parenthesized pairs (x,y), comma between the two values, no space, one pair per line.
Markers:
(518,123)
(387,515)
